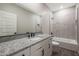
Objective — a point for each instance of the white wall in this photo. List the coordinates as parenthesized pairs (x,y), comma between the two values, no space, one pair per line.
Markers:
(36,20)
(45,22)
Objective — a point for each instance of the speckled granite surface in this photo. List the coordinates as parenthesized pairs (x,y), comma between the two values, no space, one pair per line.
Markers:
(9,47)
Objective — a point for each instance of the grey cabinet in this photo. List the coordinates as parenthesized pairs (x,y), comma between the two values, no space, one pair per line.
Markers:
(48,47)
(38,52)
(25,52)
(43,48)
(37,49)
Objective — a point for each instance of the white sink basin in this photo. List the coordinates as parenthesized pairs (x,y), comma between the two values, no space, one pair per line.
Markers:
(35,38)
(41,36)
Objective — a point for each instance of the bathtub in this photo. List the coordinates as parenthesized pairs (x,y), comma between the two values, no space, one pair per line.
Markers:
(66,43)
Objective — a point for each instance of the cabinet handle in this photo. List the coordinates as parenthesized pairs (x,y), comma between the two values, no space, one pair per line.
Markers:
(23,55)
(49,45)
(39,48)
(43,52)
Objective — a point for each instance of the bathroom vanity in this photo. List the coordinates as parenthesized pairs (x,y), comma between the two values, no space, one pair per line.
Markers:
(40,45)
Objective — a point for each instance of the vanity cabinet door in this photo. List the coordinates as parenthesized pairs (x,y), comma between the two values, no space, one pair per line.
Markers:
(38,52)
(25,52)
(50,47)
(45,46)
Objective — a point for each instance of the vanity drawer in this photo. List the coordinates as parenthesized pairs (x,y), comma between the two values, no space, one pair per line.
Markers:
(38,52)
(36,47)
(39,45)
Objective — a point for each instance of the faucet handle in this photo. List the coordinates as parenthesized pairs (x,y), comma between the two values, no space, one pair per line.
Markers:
(51,33)
(28,35)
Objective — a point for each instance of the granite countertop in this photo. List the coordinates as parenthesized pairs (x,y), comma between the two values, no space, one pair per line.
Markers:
(7,48)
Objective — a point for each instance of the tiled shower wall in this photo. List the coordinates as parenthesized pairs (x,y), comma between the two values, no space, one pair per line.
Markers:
(64,23)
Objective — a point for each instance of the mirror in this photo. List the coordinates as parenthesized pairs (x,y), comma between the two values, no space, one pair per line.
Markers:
(16,20)
(8,23)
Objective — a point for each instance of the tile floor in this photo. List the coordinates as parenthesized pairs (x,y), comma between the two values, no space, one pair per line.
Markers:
(58,51)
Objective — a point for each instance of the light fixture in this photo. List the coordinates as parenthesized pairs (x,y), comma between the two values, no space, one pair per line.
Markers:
(61,6)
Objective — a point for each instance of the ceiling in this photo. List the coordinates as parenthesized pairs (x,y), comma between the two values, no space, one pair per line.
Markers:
(37,8)
(41,8)
(58,6)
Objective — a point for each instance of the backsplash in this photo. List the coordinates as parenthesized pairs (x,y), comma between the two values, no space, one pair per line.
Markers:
(13,37)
